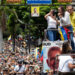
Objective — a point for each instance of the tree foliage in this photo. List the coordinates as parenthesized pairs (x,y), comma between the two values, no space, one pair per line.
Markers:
(34,25)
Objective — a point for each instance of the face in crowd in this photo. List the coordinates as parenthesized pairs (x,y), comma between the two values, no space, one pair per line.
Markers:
(70,9)
(53,51)
(59,10)
(52,12)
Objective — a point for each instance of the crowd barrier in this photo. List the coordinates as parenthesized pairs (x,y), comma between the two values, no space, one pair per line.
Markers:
(45,32)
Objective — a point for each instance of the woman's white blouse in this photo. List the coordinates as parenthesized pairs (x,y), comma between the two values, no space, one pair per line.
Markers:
(51,22)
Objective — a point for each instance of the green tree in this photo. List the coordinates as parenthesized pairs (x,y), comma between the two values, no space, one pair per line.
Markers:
(21,22)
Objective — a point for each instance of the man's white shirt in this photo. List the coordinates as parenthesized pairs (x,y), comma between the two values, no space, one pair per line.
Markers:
(21,70)
(63,63)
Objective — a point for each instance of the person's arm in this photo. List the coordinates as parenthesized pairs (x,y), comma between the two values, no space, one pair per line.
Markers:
(47,15)
(58,22)
(66,19)
(62,19)
(70,65)
(27,68)
(12,72)
(20,72)
(60,15)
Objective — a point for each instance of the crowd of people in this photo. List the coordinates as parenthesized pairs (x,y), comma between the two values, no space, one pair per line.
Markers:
(19,63)
(22,63)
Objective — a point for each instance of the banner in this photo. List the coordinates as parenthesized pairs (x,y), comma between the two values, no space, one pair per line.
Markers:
(39,1)
(35,11)
(46,57)
(13,1)
(64,1)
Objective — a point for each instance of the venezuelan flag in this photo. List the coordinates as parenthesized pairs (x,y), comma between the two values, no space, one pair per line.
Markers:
(64,33)
(61,35)
(37,53)
(67,30)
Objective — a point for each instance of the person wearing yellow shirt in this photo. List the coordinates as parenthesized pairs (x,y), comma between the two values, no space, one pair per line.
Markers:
(72,16)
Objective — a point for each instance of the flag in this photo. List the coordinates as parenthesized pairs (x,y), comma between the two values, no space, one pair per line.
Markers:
(61,35)
(64,33)
(41,58)
(37,53)
(9,38)
(67,30)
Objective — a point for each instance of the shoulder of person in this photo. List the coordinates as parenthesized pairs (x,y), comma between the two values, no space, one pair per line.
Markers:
(63,57)
(66,12)
(74,13)
(70,57)
(74,16)
(59,57)
(48,16)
